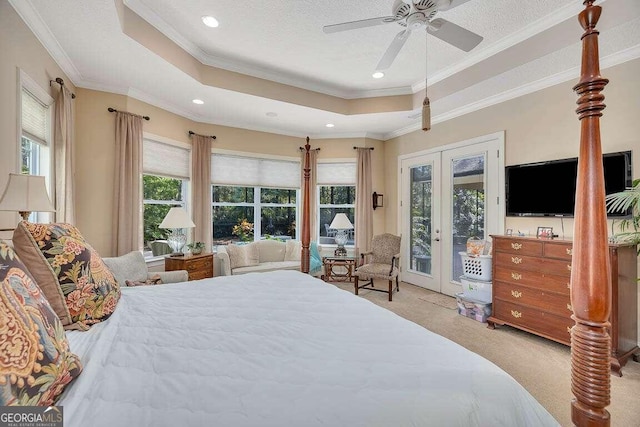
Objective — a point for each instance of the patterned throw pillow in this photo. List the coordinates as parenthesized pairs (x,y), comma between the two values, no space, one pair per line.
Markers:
(35,361)
(75,280)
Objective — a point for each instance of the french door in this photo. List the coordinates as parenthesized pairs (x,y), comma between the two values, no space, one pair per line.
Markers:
(447,196)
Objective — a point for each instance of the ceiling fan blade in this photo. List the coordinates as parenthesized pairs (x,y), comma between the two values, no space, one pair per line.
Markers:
(393,50)
(454,34)
(452,4)
(345,26)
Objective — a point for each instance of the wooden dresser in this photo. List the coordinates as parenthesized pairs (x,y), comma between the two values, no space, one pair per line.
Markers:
(198,266)
(531,291)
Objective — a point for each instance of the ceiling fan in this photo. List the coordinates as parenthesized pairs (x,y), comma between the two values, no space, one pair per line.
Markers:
(415,15)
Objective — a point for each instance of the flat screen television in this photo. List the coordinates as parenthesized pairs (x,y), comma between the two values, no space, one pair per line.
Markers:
(549,188)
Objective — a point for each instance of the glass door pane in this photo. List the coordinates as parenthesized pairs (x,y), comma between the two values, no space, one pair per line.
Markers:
(468,206)
(420,218)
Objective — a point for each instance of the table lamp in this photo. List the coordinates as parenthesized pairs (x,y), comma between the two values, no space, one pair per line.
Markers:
(25,194)
(341,224)
(177,220)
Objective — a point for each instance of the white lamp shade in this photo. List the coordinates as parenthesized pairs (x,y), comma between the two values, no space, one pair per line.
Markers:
(177,218)
(26,193)
(341,222)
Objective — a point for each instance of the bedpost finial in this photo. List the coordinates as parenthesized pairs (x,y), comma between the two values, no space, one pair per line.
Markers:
(590,16)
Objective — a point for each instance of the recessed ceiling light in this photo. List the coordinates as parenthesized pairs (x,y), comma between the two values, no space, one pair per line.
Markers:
(329,125)
(272,114)
(198,101)
(378,75)
(210,21)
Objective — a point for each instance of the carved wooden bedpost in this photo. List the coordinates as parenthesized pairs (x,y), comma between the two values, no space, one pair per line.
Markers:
(590,285)
(306,232)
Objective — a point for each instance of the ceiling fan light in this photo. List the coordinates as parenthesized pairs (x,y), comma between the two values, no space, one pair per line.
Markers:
(426,114)
(210,21)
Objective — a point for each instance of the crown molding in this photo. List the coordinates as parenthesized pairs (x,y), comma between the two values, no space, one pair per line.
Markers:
(146,13)
(608,61)
(39,28)
(569,11)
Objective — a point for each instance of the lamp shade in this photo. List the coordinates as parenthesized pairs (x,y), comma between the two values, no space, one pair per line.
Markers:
(177,218)
(341,222)
(26,193)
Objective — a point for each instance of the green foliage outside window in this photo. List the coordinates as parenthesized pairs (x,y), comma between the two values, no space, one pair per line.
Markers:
(159,189)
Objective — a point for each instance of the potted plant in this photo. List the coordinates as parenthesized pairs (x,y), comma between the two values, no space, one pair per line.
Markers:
(196,248)
(621,202)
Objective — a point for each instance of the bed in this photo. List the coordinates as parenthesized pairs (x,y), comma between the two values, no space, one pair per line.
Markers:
(286,349)
(280,349)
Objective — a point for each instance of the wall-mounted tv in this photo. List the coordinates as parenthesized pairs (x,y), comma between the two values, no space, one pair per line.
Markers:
(549,188)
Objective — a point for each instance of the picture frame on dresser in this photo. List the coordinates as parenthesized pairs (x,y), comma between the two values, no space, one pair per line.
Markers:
(544,233)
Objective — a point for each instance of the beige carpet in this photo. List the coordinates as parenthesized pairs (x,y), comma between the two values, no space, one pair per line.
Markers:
(542,366)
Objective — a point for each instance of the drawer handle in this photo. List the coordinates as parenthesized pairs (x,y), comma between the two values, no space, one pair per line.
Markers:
(516,276)
(569,267)
(569,307)
(516,314)
(191,267)
(516,294)
(569,285)
(516,260)
(516,246)
(569,251)
(569,329)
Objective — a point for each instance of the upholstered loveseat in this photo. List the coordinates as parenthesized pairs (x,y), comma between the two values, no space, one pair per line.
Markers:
(260,256)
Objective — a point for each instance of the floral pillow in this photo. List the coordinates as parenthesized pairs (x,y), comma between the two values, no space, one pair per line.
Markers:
(75,280)
(35,361)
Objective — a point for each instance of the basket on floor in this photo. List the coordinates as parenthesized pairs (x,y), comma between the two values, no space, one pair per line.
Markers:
(476,267)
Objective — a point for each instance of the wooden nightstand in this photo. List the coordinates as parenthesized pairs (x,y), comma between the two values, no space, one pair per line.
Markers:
(198,266)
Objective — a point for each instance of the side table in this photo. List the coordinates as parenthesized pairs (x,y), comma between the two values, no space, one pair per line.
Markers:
(198,266)
(346,265)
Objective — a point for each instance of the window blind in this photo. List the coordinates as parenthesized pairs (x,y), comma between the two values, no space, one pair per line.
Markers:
(336,174)
(164,159)
(34,118)
(249,171)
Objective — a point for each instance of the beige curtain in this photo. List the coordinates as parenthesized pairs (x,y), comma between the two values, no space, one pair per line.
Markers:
(127,216)
(64,156)
(364,202)
(313,184)
(201,183)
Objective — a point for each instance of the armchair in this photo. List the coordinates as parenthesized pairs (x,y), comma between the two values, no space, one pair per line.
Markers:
(133,267)
(382,262)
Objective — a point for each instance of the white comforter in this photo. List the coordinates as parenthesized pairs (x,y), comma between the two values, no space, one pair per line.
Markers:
(280,349)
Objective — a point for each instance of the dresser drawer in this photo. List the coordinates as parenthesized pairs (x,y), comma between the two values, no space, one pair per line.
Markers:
(530,263)
(199,264)
(547,301)
(522,247)
(558,250)
(197,275)
(534,279)
(535,320)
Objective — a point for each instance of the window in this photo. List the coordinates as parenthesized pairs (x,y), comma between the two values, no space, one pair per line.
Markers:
(253,198)
(165,184)
(336,194)
(35,138)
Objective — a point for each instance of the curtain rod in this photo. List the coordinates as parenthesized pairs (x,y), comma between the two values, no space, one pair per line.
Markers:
(193,133)
(113,110)
(61,83)
(370,148)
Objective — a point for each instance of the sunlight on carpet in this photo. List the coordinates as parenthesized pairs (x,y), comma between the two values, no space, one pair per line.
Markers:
(440,299)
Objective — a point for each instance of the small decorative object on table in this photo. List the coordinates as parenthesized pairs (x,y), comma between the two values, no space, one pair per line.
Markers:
(196,248)
(545,232)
